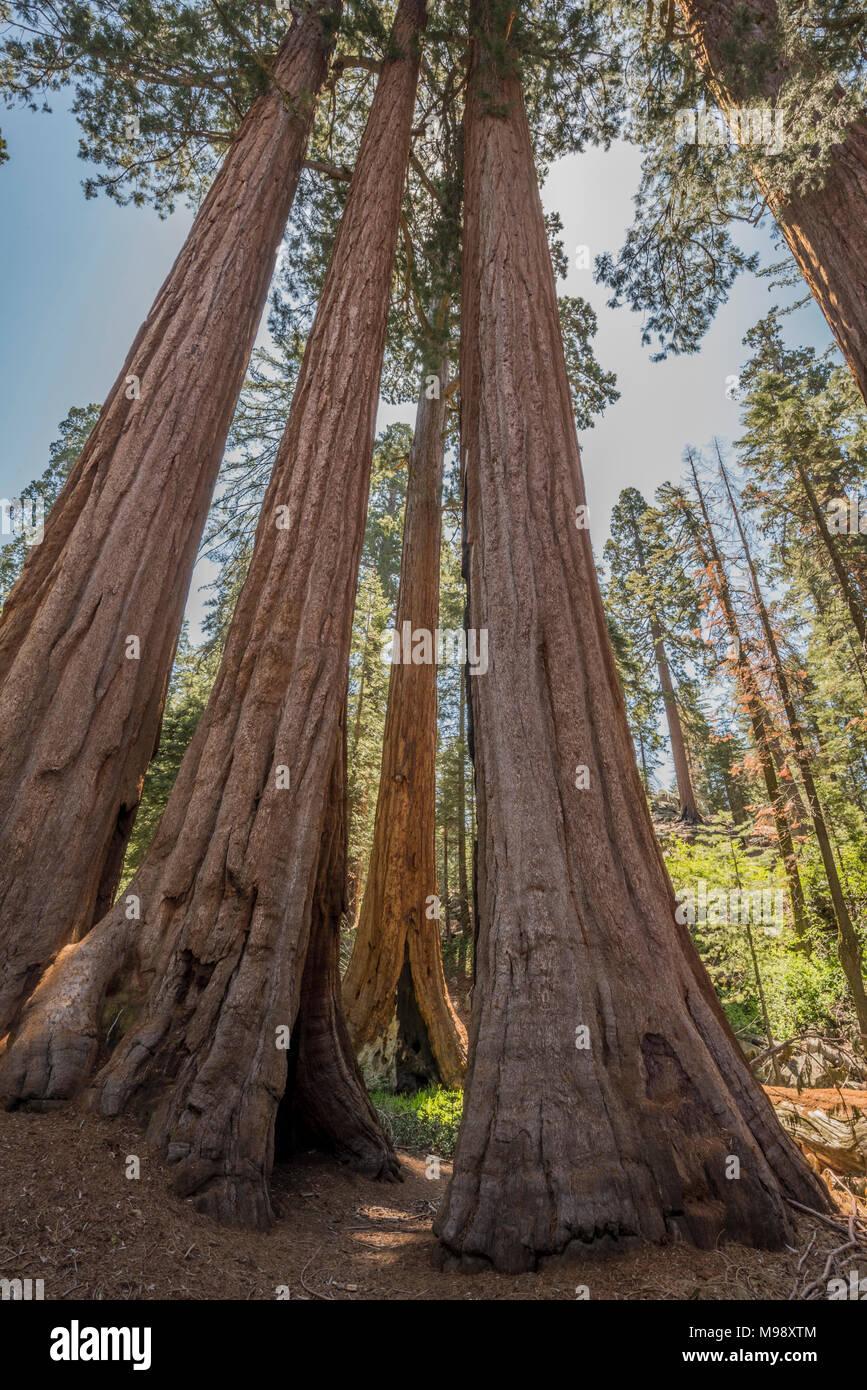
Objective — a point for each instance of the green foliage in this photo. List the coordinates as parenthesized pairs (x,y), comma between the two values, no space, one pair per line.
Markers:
(802,988)
(192,676)
(426,1122)
(44,490)
(592,387)
(680,257)
(188,70)
(803,446)
(652,608)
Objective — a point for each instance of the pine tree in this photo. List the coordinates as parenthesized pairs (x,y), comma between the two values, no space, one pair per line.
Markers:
(37,498)
(849,947)
(653,598)
(712,566)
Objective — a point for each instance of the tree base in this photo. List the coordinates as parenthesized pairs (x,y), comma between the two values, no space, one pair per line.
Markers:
(400,1059)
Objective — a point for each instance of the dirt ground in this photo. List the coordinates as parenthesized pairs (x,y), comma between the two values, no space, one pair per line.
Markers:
(70,1216)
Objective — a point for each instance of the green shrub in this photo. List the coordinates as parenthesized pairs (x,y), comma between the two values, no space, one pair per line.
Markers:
(427,1121)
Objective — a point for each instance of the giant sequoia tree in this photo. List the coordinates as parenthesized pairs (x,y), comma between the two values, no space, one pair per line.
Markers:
(397,1005)
(226,937)
(89,632)
(606,1095)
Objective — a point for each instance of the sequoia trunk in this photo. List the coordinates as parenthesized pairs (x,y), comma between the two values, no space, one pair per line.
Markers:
(400,1017)
(226,890)
(606,1096)
(325,1104)
(89,632)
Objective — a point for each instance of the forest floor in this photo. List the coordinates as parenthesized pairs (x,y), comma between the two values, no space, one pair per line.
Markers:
(70,1216)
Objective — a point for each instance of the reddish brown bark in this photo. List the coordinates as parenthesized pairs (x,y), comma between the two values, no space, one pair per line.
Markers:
(228,884)
(400,1016)
(80,716)
(325,1104)
(826,230)
(565,1148)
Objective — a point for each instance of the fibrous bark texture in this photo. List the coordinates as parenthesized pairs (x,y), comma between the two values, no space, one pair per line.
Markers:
(826,229)
(325,1104)
(606,1096)
(89,632)
(226,890)
(410,1036)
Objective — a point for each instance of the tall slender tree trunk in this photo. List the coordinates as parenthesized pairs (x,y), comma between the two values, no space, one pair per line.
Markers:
(644,775)
(445,890)
(463,885)
(849,949)
(400,1016)
(760,988)
(89,632)
(606,1093)
(735,798)
(841,574)
(688,809)
(793,801)
(748,686)
(358,864)
(226,891)
(686,795)
(826,229)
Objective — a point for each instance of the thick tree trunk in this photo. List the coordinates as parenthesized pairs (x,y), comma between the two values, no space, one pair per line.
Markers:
(325,1104)
(826,230)
(80,703)
(849,948)
(751,695)
(399,1013)
(606,1096)
(226,890)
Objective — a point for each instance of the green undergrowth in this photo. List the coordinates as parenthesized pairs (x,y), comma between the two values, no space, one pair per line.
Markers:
(427,1121)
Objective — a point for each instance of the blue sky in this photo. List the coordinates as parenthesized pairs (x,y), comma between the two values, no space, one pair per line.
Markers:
(81,276)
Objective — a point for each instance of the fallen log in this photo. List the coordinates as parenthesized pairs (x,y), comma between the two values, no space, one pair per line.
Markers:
(830,1125)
